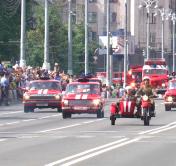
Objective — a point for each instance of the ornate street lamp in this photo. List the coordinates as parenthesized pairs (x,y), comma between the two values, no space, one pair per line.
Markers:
(164,16)
(173,18)
(148,4)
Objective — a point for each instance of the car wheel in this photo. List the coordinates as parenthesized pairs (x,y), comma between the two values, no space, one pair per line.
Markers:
(99,114)
(31,109)
(59,109)
(102,114)
(167,108)
(26,109)
(66,115)
(113,119)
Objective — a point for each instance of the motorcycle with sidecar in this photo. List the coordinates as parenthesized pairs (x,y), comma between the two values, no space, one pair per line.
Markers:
(126,108)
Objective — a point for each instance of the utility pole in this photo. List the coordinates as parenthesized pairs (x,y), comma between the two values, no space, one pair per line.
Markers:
(148,4)
(46,64)
(86,39)
(108,45)
(173,32)
(126,45)
(164,15)
(23,34)
(70,63)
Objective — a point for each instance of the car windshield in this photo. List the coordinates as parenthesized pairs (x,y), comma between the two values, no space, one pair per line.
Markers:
(172,85)
(83,88)
(45,85)
(155,71)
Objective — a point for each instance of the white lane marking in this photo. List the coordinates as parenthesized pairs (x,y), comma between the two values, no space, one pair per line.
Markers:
(10,123)
(7,113)
(64,127)
(85,152)
(45,117)
(28,120)
(165,129)
(100,152)
(155,129)
(1,140)
(88,122)
(27,136)
(60,128)
(84,136)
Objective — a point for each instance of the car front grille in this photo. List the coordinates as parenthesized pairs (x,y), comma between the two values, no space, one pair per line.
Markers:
(80,102)
(42,97)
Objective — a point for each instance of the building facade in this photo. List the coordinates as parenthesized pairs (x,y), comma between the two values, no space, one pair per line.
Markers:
(137,24)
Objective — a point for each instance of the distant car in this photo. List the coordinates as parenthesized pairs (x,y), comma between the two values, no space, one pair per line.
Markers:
(42,94)
(170,95)
(83,96)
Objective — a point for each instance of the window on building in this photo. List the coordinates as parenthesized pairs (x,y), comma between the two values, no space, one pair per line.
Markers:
(113,1)
(92,17)
(92,35)
(152,38)
(92,1)
(113,18)
(153,18)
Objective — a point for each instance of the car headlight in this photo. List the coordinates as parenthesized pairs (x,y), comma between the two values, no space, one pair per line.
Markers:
(132,84)
(96,101)
(170,99)
(65,102)
(57,97)
(145,97)
(26,97)
(163,85)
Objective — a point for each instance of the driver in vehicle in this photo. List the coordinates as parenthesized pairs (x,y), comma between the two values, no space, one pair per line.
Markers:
(146,89)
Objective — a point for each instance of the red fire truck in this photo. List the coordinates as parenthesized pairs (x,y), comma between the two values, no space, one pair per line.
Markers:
(157,70)
(134,76)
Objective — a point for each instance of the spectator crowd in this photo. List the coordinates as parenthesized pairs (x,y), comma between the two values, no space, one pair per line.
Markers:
(14,78)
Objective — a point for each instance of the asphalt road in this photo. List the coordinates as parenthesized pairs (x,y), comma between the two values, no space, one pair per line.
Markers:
(43,138)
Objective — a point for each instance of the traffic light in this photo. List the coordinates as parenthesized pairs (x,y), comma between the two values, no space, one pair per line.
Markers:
(143,53)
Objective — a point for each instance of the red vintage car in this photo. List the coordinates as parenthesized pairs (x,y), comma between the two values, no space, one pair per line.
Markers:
(170,95)
(42,94)
(83,96)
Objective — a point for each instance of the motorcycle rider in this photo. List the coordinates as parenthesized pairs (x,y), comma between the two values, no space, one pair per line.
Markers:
(146,89)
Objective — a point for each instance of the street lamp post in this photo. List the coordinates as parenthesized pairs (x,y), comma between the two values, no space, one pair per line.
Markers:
(70,66)
(126,46)
(173,18)
(23,27)
(46,64)
(148,4)
(164,15)
(86,38)
(108,45)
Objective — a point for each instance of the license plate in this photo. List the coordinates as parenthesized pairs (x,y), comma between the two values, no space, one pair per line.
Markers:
(80,108)
(42,104)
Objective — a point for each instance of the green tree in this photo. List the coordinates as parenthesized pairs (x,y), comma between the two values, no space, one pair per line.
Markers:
(9,29)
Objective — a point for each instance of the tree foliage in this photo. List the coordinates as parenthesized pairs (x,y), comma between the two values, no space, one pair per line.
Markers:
(34,43)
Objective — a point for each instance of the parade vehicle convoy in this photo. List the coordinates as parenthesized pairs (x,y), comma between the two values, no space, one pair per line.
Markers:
(42,94)
(157,70)
(170,95)
(83,96)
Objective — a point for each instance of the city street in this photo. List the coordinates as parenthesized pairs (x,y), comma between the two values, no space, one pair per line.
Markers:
(44,138)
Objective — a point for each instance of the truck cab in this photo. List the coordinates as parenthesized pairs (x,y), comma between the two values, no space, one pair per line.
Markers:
(157,70)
